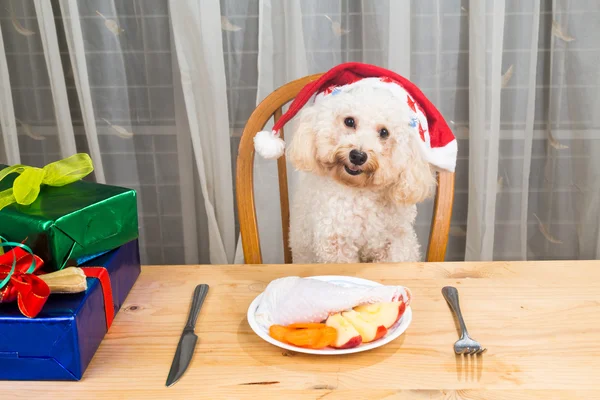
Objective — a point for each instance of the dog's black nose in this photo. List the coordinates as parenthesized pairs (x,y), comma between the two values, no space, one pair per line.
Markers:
(358,157)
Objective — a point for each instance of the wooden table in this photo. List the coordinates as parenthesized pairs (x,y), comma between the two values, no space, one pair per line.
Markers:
(539,320)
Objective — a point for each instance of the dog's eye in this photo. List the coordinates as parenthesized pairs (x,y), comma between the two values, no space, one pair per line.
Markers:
(349,122)
(383,133)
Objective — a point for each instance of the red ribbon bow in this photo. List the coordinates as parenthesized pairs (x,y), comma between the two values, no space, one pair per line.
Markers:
(31,292)
(28,290)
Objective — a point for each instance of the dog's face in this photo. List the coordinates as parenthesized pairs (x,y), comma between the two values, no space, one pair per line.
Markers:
(362,139)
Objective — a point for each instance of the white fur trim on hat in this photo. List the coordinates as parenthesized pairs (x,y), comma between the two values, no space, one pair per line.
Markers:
(269,144)
(376,83)
(443,157)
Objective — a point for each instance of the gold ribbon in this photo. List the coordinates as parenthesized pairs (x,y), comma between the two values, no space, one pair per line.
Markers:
(26,186)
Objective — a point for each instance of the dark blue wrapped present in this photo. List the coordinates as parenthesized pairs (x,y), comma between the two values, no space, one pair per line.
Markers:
(60,342)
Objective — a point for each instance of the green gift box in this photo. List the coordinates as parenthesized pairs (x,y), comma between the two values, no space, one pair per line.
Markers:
(67,224)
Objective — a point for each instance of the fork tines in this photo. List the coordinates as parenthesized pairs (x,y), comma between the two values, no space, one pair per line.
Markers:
(472,351)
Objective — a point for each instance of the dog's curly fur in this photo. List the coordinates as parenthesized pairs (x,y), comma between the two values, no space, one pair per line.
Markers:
(339,217)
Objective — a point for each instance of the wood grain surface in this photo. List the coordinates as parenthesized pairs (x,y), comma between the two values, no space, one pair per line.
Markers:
(539,321)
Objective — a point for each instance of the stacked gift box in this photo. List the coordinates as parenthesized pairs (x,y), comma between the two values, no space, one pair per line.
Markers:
(69,258)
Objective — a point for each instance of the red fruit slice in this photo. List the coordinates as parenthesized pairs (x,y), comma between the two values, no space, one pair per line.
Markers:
(347,336)
(401,311)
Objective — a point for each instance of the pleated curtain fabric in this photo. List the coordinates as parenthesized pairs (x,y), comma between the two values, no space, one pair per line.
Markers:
(158,92)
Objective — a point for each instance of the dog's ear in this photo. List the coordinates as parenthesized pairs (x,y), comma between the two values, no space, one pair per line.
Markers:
(416,180)
(302,150)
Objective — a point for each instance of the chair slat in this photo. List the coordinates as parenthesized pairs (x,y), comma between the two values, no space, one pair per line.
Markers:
(442,214)
(284,199)
(245,165)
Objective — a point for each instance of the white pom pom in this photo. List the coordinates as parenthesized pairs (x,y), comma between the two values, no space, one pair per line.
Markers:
(269,145)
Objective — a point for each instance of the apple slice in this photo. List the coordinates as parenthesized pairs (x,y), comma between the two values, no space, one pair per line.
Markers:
(347,335)
(369,331)
(385,314)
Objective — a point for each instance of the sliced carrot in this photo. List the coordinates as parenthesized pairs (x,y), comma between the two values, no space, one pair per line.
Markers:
(313,336)
(303,337)
(328,337)
(309,325)
(278,332)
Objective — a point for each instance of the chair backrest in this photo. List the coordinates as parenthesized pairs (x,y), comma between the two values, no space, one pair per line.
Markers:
(272,106)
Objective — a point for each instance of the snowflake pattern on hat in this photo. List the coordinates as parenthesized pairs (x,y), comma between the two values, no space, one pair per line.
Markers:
(329,90)
(411,103)
(422,132)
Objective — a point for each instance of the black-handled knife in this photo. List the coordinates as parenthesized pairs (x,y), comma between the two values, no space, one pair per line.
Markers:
(187,342)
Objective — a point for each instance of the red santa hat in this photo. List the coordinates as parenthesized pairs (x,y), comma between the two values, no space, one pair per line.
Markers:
(437,141)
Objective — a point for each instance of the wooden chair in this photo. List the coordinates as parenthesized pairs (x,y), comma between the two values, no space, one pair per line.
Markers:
(272,106)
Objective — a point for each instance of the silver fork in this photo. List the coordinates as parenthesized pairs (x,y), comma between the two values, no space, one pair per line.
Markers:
(464,345)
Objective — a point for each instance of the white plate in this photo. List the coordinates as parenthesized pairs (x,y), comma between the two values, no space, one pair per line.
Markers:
(394,332)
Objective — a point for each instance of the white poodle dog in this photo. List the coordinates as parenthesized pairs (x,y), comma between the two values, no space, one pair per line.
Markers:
(363,175)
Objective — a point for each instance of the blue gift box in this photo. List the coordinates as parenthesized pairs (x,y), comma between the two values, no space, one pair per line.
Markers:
(60,342)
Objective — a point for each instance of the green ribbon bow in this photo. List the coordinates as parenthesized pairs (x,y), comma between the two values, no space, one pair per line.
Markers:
(26,186)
